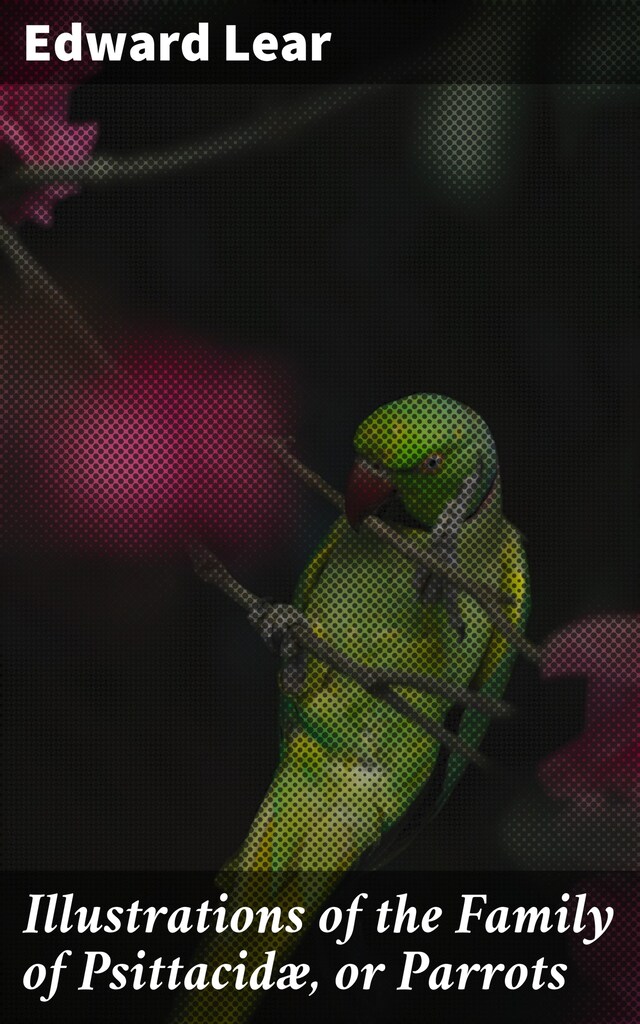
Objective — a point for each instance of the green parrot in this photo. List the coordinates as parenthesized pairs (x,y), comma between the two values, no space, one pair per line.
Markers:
(350,764)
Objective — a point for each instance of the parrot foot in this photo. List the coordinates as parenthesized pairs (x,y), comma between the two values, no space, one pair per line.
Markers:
(276,624)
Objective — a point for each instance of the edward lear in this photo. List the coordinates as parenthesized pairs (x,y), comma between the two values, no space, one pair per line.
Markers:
(193,46)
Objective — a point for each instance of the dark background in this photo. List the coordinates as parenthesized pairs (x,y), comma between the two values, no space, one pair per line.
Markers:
(480,244)
(140,708)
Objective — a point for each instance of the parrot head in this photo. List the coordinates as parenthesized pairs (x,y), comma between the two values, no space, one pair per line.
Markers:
(414,456)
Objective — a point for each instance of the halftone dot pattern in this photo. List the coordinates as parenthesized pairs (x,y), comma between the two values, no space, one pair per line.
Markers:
(492,41)
(593,782)
(498,43)
(165,448)
(489,47)
(602,46)
(270,126)
(465,137)
(609,965)
(602,765)
(351,761)
(127,473)
(34,130)
(94,16)
(134,455)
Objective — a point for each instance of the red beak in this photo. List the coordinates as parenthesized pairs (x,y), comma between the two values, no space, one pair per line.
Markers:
(366,491)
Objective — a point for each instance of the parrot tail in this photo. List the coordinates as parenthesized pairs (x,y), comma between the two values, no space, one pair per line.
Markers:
(320,814)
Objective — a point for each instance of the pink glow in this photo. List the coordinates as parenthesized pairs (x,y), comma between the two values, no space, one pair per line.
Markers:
(604,761)
(167,449)
(35,128)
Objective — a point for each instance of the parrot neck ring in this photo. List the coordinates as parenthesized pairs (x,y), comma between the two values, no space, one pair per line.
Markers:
(485,500)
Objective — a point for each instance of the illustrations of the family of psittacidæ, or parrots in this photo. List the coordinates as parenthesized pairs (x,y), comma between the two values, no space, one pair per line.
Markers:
(350,764)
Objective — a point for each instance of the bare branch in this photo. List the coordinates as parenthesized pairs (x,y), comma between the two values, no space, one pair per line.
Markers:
(271,126)
(376,681)
(36,281)
(490,600)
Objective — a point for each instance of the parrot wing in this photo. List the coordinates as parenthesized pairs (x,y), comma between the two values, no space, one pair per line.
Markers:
(317,563)
(491,677)
(498,659)
(288,716)
(304,589)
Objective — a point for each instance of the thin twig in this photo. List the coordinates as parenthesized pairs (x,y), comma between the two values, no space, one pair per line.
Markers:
(35,280)
(378,682)
(210,568)
(273,126)
(490,600)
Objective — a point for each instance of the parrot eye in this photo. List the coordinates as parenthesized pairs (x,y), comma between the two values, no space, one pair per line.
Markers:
(432,464)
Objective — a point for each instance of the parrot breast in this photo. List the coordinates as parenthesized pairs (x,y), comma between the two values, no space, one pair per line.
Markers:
(366,604)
